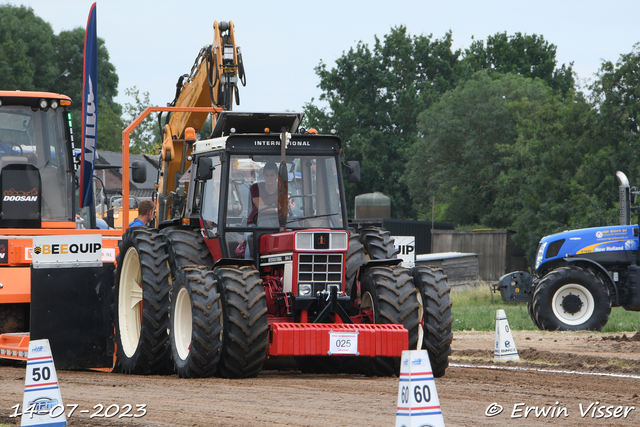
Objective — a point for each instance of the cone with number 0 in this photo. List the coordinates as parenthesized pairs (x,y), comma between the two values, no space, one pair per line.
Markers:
(505,350)
(418,403)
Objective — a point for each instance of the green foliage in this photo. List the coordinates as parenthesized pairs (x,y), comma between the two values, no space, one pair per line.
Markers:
(145,138)
(374,97)
(26,50)
(528,56)
(32,57)
(458,159)
(505,151)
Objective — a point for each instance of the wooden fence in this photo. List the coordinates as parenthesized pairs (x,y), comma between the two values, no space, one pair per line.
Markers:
(497,253)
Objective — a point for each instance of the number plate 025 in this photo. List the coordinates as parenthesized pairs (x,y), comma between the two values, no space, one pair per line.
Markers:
(343,342)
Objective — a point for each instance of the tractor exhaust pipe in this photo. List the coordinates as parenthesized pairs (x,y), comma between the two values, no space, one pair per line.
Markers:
(625,199)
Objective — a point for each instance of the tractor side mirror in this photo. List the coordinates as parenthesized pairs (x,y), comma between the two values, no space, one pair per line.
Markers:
(353,171)
(139,172)
(205,168)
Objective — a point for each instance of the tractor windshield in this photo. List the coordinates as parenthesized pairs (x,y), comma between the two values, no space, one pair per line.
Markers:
(38,137)
(314,192)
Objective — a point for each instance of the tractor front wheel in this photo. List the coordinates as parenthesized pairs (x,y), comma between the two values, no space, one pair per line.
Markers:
(435,293)
(196,323)
(389,294)
(571,298)
(245,333)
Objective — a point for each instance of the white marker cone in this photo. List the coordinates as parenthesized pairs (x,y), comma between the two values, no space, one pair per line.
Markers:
(418,403)
(505,346)
(42,402)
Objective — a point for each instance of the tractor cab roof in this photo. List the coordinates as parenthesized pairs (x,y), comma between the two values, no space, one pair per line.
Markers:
(255,123)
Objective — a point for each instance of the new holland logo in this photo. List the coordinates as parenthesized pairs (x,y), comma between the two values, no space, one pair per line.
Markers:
(12,195)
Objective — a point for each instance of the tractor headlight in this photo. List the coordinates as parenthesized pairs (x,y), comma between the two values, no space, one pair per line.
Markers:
(304,290)
(540,254)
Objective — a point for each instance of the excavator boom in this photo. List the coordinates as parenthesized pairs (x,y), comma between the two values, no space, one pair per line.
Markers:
(212,82)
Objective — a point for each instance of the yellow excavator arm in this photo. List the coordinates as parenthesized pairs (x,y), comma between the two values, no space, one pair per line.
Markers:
(212,82)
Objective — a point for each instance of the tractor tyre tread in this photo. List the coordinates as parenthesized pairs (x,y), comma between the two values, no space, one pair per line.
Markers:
(206,336)
(186,246)
(356,257)
(245,332)
(432,284)
(395,302)
(153,353)
(378,243)
(542,299)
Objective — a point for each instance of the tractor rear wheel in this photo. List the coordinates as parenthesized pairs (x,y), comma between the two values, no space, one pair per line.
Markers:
(196,323)
(245,333)
(571,298)
(389,292)
(142,289)
(378,243)
(186,246)
(14,318)
(435,293)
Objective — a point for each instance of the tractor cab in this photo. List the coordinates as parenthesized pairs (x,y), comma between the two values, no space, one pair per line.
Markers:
(235,181)
(36,166)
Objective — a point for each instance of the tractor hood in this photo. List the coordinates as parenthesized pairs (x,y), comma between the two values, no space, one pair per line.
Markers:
(588,242)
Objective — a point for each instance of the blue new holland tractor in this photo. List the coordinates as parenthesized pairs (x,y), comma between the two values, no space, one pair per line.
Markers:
(580,274)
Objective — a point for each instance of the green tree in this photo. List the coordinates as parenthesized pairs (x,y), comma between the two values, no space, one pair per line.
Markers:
(145,138)
(458,158)
(32,57)
(526,55)
(616,92)
(374,96)
(69,59)
(556,176)
(26,50)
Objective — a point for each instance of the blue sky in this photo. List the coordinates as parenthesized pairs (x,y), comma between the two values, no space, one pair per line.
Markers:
(152,43)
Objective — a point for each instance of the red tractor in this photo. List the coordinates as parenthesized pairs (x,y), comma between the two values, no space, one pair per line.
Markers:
(234,275)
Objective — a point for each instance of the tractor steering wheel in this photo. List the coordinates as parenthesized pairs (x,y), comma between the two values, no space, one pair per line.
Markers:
(270,217)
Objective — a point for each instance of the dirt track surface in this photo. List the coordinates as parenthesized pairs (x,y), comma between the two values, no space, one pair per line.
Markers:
(557,370)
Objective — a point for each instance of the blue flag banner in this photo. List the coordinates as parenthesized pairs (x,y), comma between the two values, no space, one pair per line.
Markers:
(89,109)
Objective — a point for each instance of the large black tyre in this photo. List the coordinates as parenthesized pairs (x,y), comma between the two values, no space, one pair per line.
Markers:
(196,323)
(390,292)
(14,318)
(435,293)
(571,298)
(142,288)
(245,334)
(532,315)
(355,258)
(186,246)
(378,243)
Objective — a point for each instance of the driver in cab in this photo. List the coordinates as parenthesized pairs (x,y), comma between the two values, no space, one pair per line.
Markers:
(264,195)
